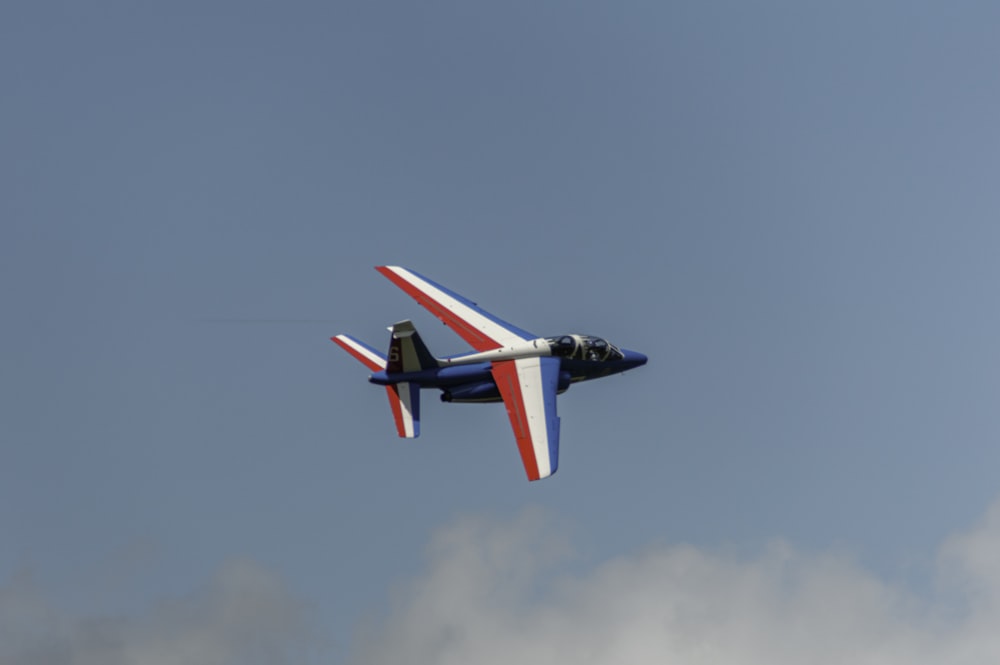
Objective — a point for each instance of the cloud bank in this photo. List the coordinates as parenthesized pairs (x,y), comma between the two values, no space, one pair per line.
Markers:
(493,593)
(244,616)
(490,595)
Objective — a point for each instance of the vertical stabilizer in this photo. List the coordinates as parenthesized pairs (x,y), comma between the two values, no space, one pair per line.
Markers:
(407,352)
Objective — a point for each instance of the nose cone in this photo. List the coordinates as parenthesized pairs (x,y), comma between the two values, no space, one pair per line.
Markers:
(633,359)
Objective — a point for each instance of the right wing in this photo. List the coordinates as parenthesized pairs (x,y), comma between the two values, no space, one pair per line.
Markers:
(482,330)
(529,387)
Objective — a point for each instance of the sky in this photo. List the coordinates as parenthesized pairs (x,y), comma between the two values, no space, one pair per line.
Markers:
(789,207)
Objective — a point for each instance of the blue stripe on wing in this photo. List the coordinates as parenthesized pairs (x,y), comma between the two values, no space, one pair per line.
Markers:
(550,388)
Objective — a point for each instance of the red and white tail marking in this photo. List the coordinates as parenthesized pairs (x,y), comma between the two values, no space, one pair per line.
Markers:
(401,402)
(369,358)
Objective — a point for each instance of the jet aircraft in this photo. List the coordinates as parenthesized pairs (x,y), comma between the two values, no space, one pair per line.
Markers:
(509,364)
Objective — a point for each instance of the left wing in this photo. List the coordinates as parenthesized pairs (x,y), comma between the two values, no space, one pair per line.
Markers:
(529,387)
(476,326)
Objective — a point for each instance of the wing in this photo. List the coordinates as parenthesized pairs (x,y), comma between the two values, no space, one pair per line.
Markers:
(479,328)
(528,387)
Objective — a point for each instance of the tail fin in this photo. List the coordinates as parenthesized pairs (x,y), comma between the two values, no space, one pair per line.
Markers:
(407,352)
(404,398)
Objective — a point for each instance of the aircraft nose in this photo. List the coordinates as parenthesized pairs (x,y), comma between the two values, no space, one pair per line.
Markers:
(634,358)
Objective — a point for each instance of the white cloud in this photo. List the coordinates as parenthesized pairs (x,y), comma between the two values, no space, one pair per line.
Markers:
(493,593)
(245,615)
(490,595)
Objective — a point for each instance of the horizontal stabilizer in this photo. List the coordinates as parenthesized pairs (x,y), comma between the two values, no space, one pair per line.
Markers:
(404,398)
(365,354)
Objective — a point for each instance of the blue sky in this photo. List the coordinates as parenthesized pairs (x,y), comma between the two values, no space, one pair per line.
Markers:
(790,207)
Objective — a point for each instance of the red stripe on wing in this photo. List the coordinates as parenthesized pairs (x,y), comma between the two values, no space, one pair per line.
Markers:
(505,375)
(475,337)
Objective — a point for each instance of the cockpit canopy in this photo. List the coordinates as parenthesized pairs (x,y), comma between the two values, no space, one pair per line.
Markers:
(583,347)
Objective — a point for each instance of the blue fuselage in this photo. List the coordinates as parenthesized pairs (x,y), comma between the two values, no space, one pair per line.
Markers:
(474,382)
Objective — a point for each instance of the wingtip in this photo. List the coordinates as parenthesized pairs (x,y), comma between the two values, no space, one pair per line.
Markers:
(541,476)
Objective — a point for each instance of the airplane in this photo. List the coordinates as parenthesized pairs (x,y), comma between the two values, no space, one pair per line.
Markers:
(509,364)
